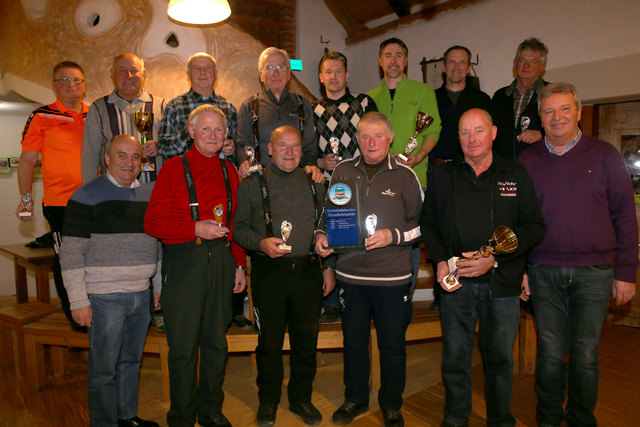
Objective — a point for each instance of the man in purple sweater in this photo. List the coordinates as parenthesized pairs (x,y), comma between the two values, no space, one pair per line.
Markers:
(585,194)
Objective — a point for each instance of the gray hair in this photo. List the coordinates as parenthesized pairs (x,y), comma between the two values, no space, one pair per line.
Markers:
(193,116)
(125,55)
(201,55)
(272,51)
(375,117)
(535,45)
(558,87)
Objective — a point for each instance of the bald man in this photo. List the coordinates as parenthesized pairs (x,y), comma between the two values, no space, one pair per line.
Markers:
(286,283)
(465,201)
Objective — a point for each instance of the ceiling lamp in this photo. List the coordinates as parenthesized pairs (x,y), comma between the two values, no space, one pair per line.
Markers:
(199,12)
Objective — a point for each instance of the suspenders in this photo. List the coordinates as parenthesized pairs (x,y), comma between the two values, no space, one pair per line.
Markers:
(255,114)
(193,198)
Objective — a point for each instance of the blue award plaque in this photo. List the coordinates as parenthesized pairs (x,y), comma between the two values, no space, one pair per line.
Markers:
(343,215)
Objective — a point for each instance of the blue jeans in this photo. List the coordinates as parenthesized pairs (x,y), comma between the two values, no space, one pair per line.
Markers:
(499,320)
(390,307)
(569,305)
(116,337)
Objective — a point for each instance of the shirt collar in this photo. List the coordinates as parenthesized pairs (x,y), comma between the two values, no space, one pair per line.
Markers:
(134,184)
(537,86)
(343,98)
(567,147)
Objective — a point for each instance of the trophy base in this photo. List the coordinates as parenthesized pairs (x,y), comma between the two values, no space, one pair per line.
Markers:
(25,214)
(450,280)
(285,247)
(403,157)
(148,167)
(255,169)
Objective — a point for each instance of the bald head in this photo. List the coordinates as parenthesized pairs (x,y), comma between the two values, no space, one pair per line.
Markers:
(477,132)
(285,148)
(123,158)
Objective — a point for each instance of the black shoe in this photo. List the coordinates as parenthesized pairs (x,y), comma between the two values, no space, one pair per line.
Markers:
(308,413)
(448,424)
(135,422)
(266,415)
(242,323)
(330,315)
(217,420)
(435,307)
(392,418)
(348,412)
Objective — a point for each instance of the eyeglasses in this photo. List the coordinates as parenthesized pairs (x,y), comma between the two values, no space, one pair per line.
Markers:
(68,80)
(272,68)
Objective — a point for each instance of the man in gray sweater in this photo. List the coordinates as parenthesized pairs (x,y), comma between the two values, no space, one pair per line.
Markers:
(107,261)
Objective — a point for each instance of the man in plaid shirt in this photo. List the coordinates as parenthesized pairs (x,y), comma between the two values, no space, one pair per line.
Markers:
(173,135)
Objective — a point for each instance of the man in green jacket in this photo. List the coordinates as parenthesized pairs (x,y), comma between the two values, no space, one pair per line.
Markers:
(400,99)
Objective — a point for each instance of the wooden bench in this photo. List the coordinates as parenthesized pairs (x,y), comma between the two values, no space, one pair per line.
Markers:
(12,321)
(40,260)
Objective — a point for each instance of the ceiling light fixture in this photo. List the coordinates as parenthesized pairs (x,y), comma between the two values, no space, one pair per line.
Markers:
(199,12)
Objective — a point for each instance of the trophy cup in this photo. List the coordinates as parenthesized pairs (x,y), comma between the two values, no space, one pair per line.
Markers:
(250,152)
(524,123)
(370,223)
(285,230)
(218,213)
(144,122)
(423,121)
(335,147)
(502,241)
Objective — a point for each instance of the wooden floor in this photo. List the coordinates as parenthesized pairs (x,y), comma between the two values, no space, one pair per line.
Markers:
(63,402)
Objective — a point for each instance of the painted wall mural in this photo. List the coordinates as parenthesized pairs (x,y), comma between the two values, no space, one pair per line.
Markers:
(36,34)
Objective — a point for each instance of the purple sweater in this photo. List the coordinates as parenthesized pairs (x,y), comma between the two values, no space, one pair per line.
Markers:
(588,207)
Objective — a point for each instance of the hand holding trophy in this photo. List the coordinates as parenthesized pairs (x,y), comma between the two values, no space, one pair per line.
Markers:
(143,120)
(423,121)
(250,152)
(502,241)
(285,230)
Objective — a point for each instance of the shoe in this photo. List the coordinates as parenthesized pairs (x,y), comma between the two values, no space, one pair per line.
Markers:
(157,318)
(330,315)
(392,418)
(435,307)
(348,412)
(242,323)
(448,424)
(135,422)
(266,415)
(217,420)
(308,413)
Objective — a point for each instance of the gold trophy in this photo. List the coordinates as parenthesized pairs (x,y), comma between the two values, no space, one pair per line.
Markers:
(218,213)
(335,147)
(144,122)
(250,152)
(423,121)
(502,241)
(285,230)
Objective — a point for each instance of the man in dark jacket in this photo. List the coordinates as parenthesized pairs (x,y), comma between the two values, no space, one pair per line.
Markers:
(454,97)
(515,107)
(466,200)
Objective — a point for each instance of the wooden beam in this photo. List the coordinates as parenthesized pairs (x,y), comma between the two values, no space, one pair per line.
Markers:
(343,16)
(400,7)
(426,14)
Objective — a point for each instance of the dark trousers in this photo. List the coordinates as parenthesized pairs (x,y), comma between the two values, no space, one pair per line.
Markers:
(570,306)
(55,218)
(287,293)
(197,286)
(499,320)
(390,307)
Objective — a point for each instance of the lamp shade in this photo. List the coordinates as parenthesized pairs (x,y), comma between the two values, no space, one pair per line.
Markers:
(199,12)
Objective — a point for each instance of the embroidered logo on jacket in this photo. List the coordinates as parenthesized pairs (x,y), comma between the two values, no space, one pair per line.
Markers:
(388,192)
(507,188)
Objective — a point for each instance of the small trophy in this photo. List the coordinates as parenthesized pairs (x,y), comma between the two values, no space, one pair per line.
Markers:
(250,152)
(144,122)
(423,121)
(524,123)
(502,241)
(285,230)
(335,147)
(218,213)
(370,224)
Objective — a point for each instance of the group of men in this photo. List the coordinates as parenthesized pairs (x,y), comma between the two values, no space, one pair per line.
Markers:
(209,215)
